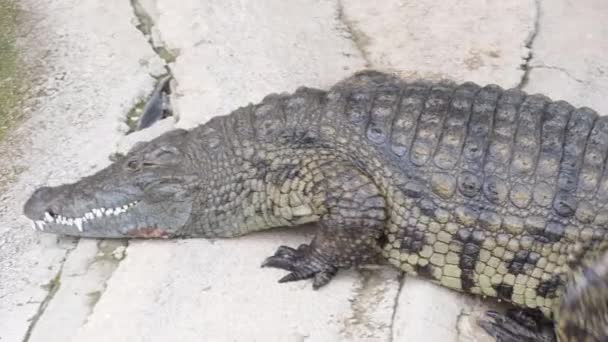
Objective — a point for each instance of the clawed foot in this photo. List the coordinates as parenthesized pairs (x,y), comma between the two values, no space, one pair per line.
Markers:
(303,263)
(515,326)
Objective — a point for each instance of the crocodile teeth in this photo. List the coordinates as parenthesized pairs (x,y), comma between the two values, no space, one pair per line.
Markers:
(34,226)
(40,225)
(78,223)
(48,217)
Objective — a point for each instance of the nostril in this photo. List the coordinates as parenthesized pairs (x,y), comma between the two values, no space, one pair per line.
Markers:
(53,212)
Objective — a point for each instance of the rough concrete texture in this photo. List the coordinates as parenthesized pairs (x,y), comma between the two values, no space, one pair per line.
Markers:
(569,60)
(442,316)
(77,288)
(479,40)
(97,65)
(235,52)
(210,300)
(93,65)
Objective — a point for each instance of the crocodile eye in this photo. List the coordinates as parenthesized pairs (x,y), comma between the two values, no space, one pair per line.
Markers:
(165,152)
(133,165)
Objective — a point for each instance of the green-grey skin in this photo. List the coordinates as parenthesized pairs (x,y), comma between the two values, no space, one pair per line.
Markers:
(483,190)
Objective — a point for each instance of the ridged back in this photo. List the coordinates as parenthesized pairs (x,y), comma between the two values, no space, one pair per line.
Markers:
(501,147)
(517,153)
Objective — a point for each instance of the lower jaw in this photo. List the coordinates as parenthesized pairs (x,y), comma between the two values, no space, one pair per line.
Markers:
(111,231)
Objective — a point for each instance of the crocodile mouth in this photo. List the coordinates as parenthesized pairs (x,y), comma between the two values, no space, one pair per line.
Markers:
(54,220)
(75,210)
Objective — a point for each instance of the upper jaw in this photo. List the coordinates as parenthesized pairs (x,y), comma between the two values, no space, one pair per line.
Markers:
(65,223)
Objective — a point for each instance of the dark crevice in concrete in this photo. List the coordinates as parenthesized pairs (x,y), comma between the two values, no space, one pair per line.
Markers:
(146,23)
(395,307)
(359,38)
(156,104)
(52,287)
(155,107)
(135,113)
(525,66)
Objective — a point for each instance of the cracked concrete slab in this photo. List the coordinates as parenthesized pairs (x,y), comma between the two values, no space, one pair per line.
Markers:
(428,312)
(202,290)
(242,59)
(437,322)
(79,286)
(235,52)
(50,288)
(92,65)
(569,53)
(480,41)
(224,54)
(477,40)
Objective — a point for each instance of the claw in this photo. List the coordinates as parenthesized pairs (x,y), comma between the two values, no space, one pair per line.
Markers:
(295,276)
(278,262)
(509,329)
(289,277)
(302,263)
(281,258)
(323,278)
(284,251)
(493,313)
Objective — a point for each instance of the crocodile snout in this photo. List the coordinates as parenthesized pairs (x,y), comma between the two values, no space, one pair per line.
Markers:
(39,203)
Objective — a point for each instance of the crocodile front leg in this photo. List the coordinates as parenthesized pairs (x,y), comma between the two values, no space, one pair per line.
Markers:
(349,229)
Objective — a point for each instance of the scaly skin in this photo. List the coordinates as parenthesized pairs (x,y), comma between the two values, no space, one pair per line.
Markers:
(482,190)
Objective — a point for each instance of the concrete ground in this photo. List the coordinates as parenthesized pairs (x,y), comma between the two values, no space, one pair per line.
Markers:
(96,60)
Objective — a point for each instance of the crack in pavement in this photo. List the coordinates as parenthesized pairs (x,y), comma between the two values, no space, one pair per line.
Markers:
(81,288)
(562,70)
(529,45)
(53,286)
(117,257)
(373,296)
(359,38)
(396,306)
(145,26)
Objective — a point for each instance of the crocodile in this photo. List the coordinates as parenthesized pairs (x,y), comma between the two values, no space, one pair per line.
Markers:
(490,192)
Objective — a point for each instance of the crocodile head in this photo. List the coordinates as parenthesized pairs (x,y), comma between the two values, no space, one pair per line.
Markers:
(147,193)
